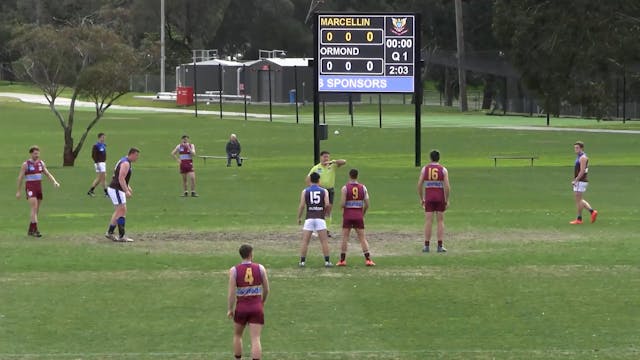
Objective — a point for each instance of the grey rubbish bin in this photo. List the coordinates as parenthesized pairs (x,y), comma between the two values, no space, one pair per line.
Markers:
(323,129)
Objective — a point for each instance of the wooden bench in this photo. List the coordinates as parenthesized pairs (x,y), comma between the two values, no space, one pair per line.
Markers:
(205,157)
(496,157)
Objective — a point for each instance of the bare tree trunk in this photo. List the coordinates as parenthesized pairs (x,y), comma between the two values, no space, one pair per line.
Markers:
(488,92)
(448,99)
(69,155)
(68,158)
(462,76)
(38,11)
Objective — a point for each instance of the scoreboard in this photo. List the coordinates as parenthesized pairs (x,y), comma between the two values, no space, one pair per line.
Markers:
(366,53)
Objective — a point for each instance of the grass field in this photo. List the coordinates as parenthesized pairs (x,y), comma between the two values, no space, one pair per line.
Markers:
(518,281)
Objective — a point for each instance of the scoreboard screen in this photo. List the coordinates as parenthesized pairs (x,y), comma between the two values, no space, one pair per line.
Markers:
(366,53)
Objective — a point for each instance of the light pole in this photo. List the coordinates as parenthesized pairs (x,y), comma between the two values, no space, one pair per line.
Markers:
(161,45)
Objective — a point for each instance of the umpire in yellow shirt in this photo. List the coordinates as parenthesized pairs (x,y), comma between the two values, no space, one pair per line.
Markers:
(327,170)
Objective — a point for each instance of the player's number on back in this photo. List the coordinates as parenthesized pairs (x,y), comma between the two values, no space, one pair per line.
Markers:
(354,193)
(314,197)
(433,174)
(248,276)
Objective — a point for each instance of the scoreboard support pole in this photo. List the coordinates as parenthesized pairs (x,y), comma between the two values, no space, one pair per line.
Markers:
(316,125)
(417,93)
(316,95)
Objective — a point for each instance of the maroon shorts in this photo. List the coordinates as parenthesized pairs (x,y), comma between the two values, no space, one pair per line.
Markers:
(353,223)
(431,206)
(186,167)
(253,314)
(34,191)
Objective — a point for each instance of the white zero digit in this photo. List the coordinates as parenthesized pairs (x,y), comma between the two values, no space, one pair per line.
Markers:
(369,65)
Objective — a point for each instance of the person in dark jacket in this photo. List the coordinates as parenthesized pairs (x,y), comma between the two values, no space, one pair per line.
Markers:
(233,150)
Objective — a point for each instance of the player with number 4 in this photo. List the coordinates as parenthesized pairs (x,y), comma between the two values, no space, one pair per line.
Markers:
(433,190)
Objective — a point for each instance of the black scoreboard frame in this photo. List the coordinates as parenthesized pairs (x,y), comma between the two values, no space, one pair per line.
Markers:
(417,71)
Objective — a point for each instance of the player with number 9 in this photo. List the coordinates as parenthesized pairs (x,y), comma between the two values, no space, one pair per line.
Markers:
(433,191)
(355,203)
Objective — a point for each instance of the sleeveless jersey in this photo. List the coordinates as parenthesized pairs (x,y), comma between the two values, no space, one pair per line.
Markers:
(576,168)
(33,172)
(115,182)
(99,152)
(433,177)
(354,203)
(185,153)
(248,284)
(314,196)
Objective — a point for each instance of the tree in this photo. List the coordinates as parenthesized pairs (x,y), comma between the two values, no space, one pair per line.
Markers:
(570,54)
(91,60)
(462,72)
(284,20)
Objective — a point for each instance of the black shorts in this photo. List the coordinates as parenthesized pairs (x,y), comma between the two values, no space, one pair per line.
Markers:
(331,195)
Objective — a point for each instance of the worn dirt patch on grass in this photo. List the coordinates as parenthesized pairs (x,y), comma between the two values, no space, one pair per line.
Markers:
(381,243)
(293,272)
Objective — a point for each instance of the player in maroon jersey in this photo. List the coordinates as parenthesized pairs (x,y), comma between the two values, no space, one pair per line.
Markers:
(184,153)
(433,190)
(248,291)
(31,171)
(355,203)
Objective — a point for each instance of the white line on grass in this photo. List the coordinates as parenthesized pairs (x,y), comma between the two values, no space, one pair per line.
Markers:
(540,128)
(40,99)
(601,351)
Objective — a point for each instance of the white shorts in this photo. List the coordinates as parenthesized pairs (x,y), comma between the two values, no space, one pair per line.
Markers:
(314,225)
(117,197)
(100,167)
(580,186)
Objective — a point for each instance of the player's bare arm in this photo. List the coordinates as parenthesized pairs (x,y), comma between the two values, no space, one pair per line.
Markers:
(124,169)
(583,169)
(265,284)
(174,153)
(447,188)
(343,198)
(23,168)
(366,204)
(327,205)
(301,207)
(231,296)
(193,149)
(420,187)
(48,174)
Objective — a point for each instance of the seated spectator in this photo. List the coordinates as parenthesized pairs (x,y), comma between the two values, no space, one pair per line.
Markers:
(233,150)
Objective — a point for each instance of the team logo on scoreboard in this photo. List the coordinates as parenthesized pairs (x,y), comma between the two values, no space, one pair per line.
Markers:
(399,26)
